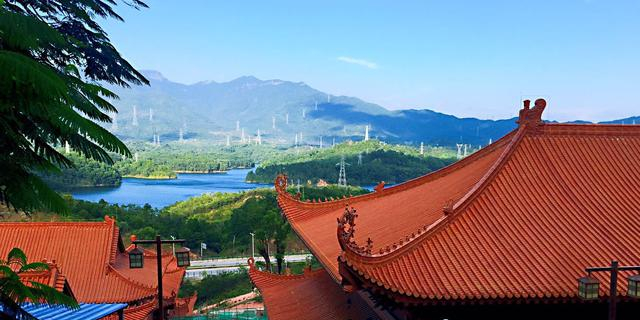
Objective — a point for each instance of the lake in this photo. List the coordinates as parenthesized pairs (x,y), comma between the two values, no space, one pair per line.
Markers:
(164,192)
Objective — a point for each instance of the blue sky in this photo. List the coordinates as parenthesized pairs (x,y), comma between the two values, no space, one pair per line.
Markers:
(467,58)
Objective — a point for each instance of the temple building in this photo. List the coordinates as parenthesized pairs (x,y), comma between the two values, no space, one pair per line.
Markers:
(505,233)
(89,261)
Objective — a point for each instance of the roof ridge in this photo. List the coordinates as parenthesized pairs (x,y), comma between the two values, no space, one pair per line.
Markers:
(133,282)
(308,273)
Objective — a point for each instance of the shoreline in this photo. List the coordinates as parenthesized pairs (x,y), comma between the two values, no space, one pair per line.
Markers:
(151,177)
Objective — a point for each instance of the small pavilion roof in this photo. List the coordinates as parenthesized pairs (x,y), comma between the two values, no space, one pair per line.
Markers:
(312,296)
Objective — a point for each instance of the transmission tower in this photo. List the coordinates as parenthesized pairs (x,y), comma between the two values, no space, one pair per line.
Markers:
(421,148)
(320,142)
(465,150)
(242,135)
(135,116)
(273,122)
(150,114)
(459,155)
(181,136)
(296,140)
(228,140)
(286,118)
(360,159)
(114,122)
(237,125)
(259,138)
(304,113)
(67,147)
(366,133)
(342,176)
(316,107)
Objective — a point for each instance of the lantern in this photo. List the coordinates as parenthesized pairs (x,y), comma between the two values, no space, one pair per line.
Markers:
(136,258)
(634,286)
(182,255)
(588,288)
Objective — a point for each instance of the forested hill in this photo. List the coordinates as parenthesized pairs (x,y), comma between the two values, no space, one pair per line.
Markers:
(367,163)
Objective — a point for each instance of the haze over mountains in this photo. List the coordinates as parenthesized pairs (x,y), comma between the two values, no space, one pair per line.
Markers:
(283,112)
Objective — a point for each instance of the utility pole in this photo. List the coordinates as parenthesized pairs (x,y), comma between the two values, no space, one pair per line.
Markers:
(253,245)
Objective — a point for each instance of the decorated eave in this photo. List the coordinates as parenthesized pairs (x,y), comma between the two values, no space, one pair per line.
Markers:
(312,295)
(558,199)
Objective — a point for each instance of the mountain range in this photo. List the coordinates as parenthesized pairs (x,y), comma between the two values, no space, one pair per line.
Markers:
(283,112)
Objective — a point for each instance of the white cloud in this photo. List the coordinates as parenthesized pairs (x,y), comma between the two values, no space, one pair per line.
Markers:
(360,62)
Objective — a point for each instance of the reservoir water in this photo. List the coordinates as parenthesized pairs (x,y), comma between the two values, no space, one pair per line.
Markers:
(164,192)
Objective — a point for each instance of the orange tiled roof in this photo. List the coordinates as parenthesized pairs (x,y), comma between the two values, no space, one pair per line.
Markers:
(558,199)
(52,277)
(92,258)
(313,295)
(185,306)
(390,214)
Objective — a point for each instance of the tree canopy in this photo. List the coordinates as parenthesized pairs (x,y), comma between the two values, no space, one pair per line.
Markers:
(54,57)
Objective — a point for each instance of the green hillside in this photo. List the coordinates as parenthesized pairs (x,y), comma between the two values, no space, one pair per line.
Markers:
(367,163)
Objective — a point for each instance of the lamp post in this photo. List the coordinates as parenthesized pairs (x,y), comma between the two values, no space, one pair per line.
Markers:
(588,286)
(136,260)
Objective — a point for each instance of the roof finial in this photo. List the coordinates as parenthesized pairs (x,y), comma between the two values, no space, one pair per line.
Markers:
(532,117)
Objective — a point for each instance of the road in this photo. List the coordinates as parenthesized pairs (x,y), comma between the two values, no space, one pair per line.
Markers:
(236,262)
(200,268)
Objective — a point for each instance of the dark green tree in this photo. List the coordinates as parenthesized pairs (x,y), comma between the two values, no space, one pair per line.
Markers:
(54,57)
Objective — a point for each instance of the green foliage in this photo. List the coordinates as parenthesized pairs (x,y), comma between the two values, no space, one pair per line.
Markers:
(45,100)
(380,162)
(144,169)
(13,291)
(85,173)
(215,288)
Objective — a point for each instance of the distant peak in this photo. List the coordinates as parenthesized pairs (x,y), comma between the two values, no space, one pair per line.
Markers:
(153,75)
(246,79)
